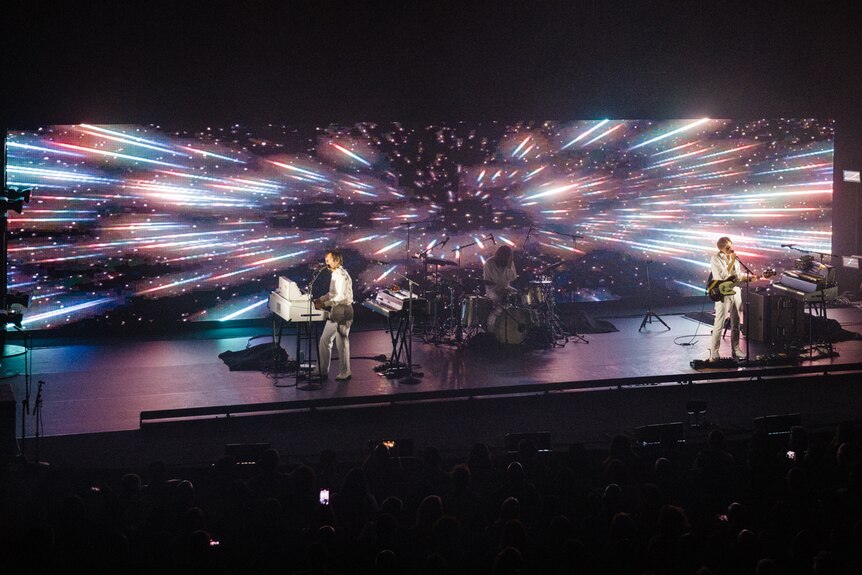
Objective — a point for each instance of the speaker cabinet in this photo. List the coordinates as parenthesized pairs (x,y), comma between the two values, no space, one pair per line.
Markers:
(775,319)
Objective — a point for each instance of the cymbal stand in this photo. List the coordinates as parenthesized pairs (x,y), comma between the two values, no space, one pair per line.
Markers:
(650,314)
(573,334)
(558,331)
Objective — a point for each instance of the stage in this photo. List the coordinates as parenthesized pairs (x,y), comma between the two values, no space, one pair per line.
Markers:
(613,383)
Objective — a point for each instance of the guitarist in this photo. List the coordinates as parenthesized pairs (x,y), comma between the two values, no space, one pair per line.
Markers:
(724,266)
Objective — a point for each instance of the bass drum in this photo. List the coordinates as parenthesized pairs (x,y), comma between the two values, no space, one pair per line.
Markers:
(475,310)
(510,325)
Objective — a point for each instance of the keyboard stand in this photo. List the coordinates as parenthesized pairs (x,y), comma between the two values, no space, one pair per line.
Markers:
(394,367)
(826,349)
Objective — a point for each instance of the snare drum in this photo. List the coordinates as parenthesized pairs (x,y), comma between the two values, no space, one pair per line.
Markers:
(475,310)
(510,324)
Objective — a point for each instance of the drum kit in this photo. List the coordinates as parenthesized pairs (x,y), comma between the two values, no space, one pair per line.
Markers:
(460,314)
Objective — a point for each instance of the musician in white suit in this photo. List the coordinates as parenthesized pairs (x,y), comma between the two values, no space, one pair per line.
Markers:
(339,300)
(724,265)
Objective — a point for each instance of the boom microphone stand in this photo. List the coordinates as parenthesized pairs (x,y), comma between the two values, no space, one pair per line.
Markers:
(574,237)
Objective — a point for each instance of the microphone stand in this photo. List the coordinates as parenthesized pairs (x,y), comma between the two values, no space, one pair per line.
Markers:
(408,226)
(747,305)
(309,324)
(457,249)
(650,314)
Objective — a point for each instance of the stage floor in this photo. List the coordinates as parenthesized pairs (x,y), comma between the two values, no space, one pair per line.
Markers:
(103,386)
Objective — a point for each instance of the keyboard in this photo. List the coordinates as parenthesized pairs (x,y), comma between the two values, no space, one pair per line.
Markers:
(289,303)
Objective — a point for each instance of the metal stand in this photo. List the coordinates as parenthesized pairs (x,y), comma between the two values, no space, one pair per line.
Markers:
(410,377)
(818,305)
(650,314)
(37,413)
(308,336)
(402,344)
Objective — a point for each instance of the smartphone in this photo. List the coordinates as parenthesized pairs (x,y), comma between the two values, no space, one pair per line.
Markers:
(390,443)
(324,497)
(722,518)
(791,455)
(214,543)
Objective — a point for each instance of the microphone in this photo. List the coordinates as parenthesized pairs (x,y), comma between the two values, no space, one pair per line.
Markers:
(787,245)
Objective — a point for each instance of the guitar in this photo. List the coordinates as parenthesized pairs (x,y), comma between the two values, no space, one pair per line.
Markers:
(719,289)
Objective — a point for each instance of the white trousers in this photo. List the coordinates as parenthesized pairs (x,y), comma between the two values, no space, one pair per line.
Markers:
(728,306)
(340,333)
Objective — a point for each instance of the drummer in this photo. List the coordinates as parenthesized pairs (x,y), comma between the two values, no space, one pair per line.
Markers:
(499,273)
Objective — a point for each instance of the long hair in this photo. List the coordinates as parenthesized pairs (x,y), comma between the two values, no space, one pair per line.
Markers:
(503,256)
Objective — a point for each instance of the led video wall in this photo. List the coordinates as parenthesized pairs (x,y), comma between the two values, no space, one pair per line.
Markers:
(136,224)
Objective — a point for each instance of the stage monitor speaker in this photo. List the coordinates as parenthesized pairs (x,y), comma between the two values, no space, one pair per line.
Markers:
(775,319)
(8,442)
(778,424)
(541,439)
(246,453)
(660,433)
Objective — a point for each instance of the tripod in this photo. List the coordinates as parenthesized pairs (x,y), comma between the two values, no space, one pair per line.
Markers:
(650,314)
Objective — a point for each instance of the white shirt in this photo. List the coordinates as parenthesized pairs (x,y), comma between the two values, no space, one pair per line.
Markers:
(340,288)
(499,277)
(719,264)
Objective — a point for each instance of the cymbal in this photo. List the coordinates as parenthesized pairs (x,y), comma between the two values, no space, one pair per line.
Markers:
(551,267)
(437,261)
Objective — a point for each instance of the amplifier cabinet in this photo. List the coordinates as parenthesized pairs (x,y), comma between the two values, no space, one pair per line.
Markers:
(775,319)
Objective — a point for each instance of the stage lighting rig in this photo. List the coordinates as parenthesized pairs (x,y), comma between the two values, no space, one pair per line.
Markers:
(7,317)
(15,198)
(17,298)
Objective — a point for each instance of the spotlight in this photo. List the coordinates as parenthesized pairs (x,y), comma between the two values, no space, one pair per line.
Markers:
(14,193)
(7,317)
(15,198)
(17,298)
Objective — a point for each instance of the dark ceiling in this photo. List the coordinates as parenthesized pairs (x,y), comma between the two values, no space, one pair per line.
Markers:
(324,61)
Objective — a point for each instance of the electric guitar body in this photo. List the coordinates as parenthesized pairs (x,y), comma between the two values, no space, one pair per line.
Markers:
(719,289)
